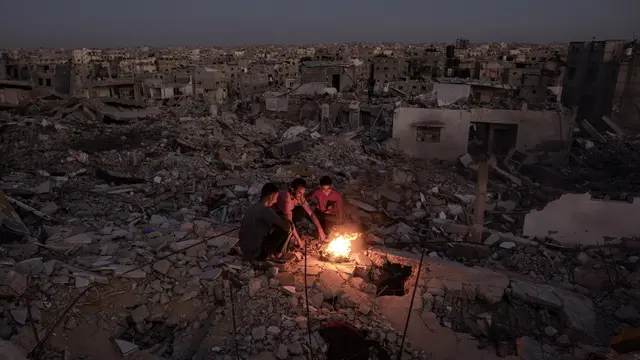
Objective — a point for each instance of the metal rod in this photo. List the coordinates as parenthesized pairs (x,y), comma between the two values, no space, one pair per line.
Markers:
(306,299)
(413,296)
(233,320)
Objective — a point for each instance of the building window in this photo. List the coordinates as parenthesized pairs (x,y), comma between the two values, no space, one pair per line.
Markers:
(571,73)
(48,82)
(428,134)
(40,81)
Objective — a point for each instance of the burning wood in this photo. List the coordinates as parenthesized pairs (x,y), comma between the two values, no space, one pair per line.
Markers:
(339,248)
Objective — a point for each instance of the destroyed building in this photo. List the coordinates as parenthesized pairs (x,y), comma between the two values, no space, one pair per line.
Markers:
(119,218)
(591,78)
(336,74)
(446,134)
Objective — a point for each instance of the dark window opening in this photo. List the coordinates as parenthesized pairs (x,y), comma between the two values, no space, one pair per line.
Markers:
(390,279)
(428,134)
(40,81)
(47,82)
(572,73)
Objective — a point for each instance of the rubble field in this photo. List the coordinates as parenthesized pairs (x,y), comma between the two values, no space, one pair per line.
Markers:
(119,239)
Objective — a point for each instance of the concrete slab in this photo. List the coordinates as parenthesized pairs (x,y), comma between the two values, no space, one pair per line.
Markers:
(425,333)
(576,219)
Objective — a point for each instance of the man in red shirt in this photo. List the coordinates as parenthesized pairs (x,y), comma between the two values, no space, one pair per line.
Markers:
(293,206)
(329,209)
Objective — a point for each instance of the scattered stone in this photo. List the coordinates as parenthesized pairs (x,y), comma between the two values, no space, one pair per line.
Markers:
(79,239)
(283,352)
(82,282)
(125,347)
(289,290)
(259,333)
(302,322)
(254,287)
(273,330)
(19,316)
(14,283)
(140,314)
(295,348)
(364,309)
(507,245)
(210,274)
(30,267)
(162,266)
(550,331)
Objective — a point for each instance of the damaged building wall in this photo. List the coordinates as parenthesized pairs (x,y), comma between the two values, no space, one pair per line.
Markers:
(443,134)
(332,74)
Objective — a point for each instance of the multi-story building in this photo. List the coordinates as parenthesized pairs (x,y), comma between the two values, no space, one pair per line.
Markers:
(626,98)
(387,69)
(591,78)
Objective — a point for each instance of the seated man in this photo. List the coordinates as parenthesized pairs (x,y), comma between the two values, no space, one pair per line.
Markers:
(329,204)
(262,232)
(293,206)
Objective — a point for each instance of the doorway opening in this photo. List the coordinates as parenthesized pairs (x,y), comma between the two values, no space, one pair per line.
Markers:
(335,81)
(491,138)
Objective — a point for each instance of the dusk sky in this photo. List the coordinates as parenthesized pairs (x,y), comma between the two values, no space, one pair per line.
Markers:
(112,23)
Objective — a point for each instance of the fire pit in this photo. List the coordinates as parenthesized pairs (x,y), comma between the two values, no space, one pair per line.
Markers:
(338,248)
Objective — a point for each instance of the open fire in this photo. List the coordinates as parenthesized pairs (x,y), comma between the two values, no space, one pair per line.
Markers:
(340,246)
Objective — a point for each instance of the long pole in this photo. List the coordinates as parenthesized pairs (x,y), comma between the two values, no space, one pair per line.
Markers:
(413,296)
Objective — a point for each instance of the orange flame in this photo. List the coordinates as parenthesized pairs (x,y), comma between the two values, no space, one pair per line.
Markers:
(340,246)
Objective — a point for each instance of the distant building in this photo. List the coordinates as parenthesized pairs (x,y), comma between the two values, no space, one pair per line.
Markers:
(626,98)
(591,78)
(337,74)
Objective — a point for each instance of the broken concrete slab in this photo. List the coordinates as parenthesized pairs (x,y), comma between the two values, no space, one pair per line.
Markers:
(78,239)
(576,219)
(125,347)
(15,284)
(576,309)
(332,281)
(182,245)
(9,351)
(484,283)
(426,333)
(33,266)
(540,294)
(364,206)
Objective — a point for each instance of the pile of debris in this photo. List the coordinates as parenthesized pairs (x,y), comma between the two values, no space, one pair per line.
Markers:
(124,239)
(608,166)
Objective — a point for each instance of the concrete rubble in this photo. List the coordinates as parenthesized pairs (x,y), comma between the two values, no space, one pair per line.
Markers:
(130,244)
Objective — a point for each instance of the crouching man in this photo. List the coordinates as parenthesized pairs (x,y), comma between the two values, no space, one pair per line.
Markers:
(293,206)
(263,234)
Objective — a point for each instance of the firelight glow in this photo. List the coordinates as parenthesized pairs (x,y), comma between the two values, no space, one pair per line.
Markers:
(340,246)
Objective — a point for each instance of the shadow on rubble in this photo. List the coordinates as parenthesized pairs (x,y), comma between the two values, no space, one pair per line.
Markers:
(124,140)
(499,325)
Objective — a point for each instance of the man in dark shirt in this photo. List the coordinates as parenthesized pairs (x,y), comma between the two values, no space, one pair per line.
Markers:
(262,232)
(329,210)
(293,206)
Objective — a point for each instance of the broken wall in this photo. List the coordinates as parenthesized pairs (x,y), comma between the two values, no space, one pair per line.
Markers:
(538,131)
(13,96)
